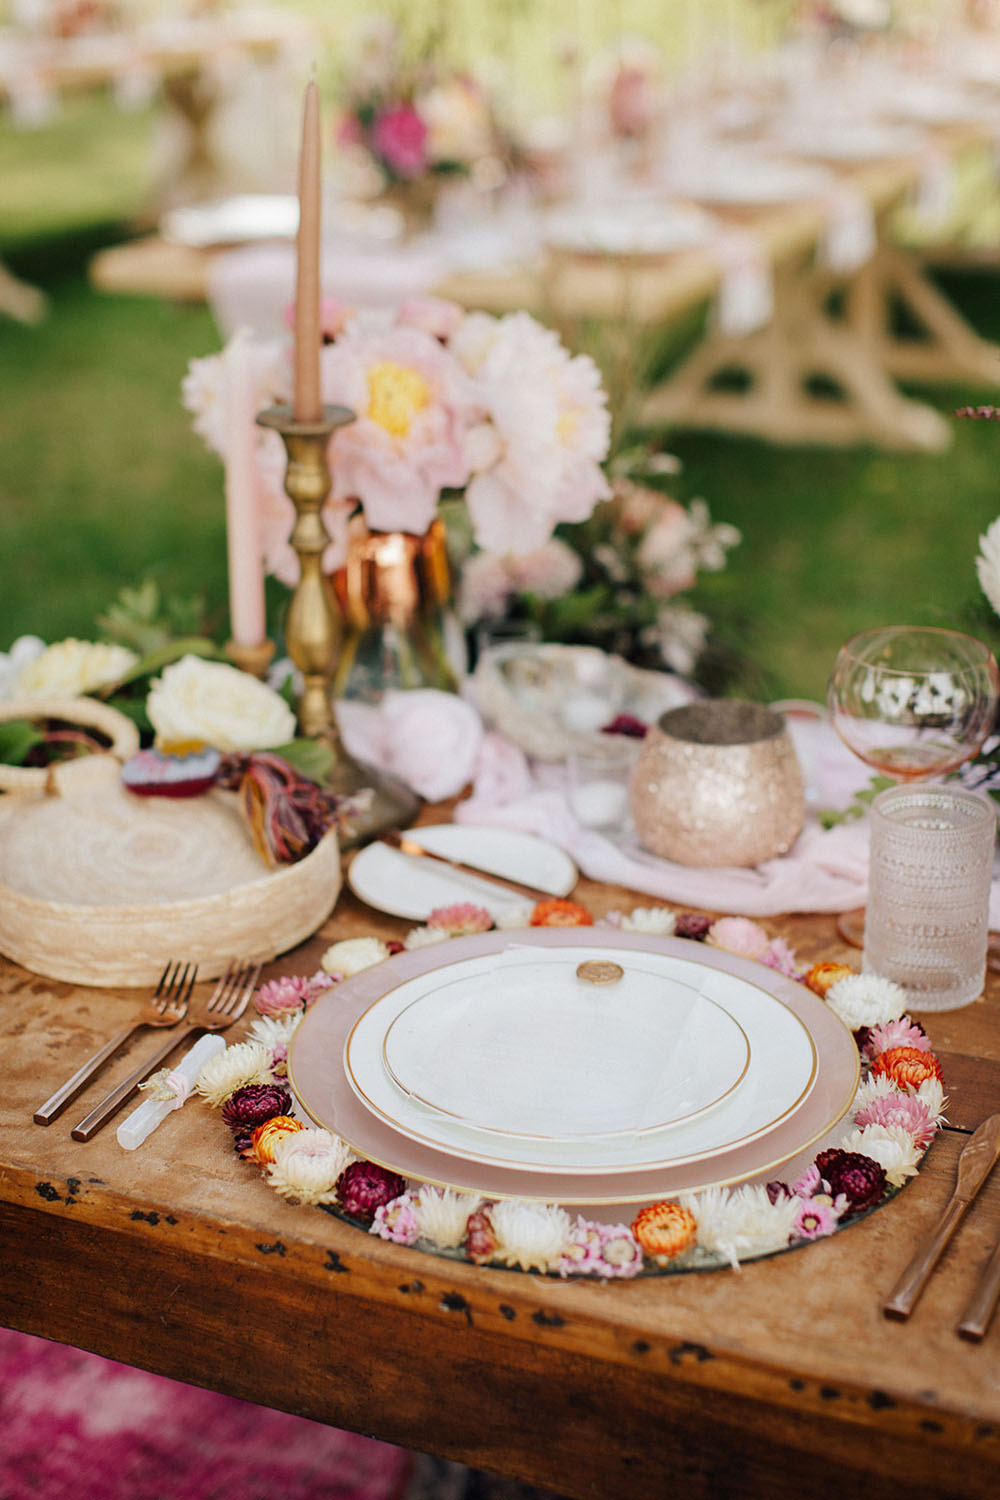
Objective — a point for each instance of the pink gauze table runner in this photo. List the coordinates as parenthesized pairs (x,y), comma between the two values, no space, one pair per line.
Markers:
(438,744)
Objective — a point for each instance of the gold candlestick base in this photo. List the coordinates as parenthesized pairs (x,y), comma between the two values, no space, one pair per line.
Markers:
(252,659)
(313,628)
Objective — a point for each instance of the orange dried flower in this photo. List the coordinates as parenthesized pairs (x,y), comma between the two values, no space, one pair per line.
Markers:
(561,913)
(908,1067)
(664,1229)
(822,976)
(266,1139)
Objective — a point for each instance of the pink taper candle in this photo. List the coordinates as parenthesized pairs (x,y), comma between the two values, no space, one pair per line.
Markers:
(308,402)
(246,570)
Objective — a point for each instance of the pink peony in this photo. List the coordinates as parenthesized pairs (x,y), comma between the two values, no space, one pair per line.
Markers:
(399,137)
(413,403)
(434,315)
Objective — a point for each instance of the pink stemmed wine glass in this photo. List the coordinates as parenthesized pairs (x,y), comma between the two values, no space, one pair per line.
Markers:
(913,702)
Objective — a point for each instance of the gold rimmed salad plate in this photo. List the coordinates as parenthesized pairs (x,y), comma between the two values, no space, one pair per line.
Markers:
(803,1105)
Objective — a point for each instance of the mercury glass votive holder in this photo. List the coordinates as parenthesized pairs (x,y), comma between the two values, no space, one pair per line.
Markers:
(717,783)
(929,872)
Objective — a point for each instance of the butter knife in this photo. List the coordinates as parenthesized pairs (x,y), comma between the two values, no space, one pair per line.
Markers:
(404,844)
(983,1302)
(974,1166)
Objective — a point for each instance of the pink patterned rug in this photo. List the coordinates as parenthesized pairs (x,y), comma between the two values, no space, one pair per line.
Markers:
(76,1427)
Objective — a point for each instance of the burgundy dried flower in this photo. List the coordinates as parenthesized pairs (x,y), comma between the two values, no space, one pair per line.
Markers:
(628,725)
(694,925)
(363,1187)
(286,813)
(859,1178)
(395,946)
(251,1105)
(243,1145)
(480,1236)
(776,1190)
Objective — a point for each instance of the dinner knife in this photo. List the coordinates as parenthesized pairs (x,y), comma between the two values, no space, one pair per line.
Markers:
(974,1166)
(405,844)
(983,1302)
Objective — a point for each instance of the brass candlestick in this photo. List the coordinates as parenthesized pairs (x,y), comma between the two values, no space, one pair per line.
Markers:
(314,629)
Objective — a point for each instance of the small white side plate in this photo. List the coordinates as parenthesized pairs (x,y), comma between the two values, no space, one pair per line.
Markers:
(404,885)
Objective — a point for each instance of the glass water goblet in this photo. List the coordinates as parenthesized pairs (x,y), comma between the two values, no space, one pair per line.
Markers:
(913,702)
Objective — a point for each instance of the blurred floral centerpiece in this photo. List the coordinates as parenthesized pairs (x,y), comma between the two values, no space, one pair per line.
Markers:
(415,122)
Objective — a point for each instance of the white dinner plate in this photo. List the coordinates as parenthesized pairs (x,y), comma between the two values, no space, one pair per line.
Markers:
(318,1077)
(233,221)
(404,885)
(645,1105)
(640,228)
(549,1054)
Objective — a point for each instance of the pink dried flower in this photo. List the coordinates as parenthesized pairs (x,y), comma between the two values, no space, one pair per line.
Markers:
(781,958)
(810,1183)
(693,925)
(292,993)
(900,1033)
(814,1220)
(435,315)
(251,1105)
(364,1187)
(396,1221)
(461,919)
(399,137)
(606,1250)
(628,725)
(480,1236)
(739,935)
(907,1110)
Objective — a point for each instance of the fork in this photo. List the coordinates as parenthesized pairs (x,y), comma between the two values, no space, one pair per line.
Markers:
(167,1007)
(225,1005)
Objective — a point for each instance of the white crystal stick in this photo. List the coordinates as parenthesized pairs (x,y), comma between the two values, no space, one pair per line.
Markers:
(145,1117)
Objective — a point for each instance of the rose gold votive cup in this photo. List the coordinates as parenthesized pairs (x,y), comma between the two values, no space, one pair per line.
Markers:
(718,783)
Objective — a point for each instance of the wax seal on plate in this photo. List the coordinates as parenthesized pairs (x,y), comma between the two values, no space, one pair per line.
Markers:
(600,971)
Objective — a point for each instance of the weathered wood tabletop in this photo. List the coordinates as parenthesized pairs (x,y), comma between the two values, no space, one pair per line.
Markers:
(783,1379)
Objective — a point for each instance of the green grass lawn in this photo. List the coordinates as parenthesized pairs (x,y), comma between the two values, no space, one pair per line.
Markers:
(102,480)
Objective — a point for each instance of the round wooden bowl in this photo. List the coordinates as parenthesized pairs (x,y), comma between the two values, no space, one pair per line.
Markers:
(104,888)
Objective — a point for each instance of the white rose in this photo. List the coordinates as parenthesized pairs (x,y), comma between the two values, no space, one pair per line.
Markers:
(210,702)
(72,668)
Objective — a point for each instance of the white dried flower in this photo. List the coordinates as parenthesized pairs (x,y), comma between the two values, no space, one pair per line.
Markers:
(931,1091)
(442,1214)
(274,1032)
(307,1165)
(741,1223)
(532,1235)
(872,1088)
(72,668)
(506,918)
(241,1064)
(351,955)
(25,650)
(891,1146)
(425,937)
(658,921)
(866,1000)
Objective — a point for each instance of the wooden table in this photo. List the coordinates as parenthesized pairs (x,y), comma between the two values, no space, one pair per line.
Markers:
(823,369)
(781,1380)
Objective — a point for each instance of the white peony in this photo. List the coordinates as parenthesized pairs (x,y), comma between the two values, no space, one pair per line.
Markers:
(215,704)
(988,563)
(72,668)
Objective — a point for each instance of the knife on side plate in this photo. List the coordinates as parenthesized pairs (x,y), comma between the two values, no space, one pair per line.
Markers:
(975,1164)
(404,843)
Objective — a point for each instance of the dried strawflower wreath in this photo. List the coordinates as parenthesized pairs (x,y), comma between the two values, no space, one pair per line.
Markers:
(895,1116)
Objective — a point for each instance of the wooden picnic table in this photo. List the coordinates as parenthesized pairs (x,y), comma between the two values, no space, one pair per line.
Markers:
(781,1380)
(824,368)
